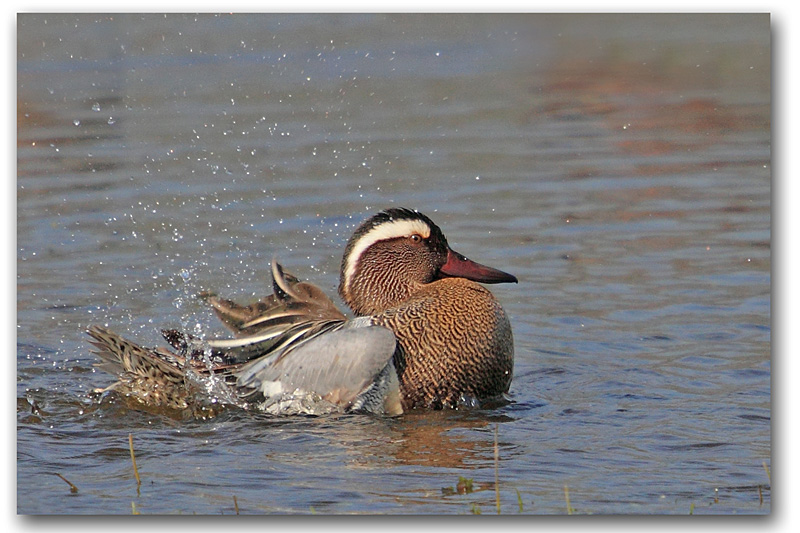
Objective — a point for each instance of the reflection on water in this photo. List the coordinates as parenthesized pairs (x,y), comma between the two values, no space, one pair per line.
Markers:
(618,166)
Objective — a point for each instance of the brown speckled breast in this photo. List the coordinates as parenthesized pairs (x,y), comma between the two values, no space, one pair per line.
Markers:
(456,341)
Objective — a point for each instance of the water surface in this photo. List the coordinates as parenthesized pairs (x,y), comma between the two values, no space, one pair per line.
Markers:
(619,166)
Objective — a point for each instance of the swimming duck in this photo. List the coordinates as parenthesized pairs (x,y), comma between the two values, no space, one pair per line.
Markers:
(425,334)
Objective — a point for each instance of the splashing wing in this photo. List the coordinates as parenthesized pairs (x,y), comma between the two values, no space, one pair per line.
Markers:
(292,302)
(297,342)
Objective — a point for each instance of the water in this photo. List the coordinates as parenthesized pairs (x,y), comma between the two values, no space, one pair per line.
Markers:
(618,166)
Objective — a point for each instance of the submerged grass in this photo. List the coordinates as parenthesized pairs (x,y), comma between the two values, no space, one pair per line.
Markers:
(496,471)
(133,460)
(72,488)
(570,509)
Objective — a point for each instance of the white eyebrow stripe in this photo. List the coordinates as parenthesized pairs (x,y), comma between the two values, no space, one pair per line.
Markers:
(388,230)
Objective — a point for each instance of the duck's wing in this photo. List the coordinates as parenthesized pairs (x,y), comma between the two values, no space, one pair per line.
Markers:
(296,343)
(296,312)
(341,367)
(292,302)
(272,339)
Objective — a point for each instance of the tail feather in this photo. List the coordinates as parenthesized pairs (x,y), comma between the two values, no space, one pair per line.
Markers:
(153,376)
(121,356)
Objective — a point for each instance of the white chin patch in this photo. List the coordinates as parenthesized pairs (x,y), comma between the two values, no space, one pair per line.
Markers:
(382,232)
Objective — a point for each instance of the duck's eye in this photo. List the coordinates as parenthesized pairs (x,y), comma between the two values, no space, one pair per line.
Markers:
(415,238)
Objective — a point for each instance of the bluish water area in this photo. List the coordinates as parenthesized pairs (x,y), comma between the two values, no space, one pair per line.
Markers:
(618,165)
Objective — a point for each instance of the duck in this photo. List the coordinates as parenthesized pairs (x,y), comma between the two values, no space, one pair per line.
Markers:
(424,334)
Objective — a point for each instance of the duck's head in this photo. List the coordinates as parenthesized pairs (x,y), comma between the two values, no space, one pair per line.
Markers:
(395,252)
